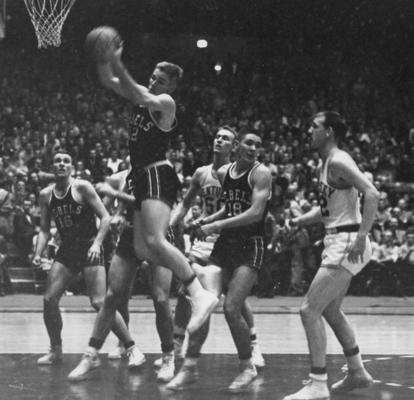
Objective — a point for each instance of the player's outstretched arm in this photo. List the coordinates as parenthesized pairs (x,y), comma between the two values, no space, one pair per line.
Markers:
(311,217)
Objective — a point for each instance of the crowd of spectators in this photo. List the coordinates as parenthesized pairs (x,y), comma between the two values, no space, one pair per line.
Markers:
(57,102)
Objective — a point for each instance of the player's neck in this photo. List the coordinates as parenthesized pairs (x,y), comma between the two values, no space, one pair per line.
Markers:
(242,166)
(63,183)
(326,150)
(219,160)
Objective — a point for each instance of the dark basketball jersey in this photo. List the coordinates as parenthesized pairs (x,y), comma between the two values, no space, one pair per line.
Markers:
(147,142)
(237,195)
(75,222)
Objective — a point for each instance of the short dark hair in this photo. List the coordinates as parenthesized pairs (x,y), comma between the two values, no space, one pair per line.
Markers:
(174,71)
(61,151)
(230,129)
(335,121)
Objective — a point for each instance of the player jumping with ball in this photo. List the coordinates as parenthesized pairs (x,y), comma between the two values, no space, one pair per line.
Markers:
(152,177)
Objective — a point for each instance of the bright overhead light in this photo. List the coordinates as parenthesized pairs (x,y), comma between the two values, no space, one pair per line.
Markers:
(202,43)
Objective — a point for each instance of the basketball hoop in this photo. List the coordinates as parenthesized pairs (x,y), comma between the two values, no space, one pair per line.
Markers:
(47,17)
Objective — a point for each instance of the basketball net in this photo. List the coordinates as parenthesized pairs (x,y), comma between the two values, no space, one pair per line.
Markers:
(47,17)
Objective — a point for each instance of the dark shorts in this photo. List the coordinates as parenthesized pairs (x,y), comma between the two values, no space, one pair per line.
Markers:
(125,244)
(231,252)
(158,182)
(74,256)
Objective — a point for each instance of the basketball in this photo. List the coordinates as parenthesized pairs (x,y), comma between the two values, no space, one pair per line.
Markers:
(99,40)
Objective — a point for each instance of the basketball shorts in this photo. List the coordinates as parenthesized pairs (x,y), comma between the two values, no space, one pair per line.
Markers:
(231,252)
(201,250)
(125,244)
(158,182)
(74,256)
(336,251)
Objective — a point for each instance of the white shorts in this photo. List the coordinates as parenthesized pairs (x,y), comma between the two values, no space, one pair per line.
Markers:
(200,252)
(336,251)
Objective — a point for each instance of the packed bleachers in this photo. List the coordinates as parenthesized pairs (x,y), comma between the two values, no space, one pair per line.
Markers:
(271,87)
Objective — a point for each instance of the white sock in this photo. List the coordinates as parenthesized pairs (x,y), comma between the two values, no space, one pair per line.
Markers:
(91,350)
(190,361)
(194,287)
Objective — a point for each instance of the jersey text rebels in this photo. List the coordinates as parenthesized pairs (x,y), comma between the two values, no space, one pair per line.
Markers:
(147,142)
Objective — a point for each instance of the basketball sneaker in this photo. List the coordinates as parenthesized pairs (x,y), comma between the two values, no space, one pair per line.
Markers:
(314,389)
(354,379)
(54,356)
(202,305)
(88,363)
(257,356)
(187,375)
(178,352)
(166,371)
(135,357)
(117,352)
(247,375)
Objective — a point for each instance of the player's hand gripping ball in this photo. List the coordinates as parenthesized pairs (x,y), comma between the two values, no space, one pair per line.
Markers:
(101,39)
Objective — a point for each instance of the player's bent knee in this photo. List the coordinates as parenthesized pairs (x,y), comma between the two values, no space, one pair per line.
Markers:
(97,303)
(231,310)
(160,296)
(155,242)
(307,313)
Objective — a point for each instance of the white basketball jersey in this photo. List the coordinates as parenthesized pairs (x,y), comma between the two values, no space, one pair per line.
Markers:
(210,190)
(338,206)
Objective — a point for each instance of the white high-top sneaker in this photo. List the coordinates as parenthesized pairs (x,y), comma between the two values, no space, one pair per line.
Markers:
(247,375)
(54,356)
(88,363)
(314,389)
(202,306)
(354,379)
(187,375)
(166,371)
(257,356)
(135,357)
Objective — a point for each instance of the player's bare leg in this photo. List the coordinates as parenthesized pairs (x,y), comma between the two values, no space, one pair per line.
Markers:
(120,274)
(161,284)
(150,227)
(357,376)
(58,279)
(211,279)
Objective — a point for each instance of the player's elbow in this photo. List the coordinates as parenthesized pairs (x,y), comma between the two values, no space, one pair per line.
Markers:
(372,195)
(256,215)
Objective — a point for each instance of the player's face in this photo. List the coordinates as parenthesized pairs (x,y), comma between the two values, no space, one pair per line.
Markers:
(223,142)
(318,132)
(160,82)
(62,164)
(249,147)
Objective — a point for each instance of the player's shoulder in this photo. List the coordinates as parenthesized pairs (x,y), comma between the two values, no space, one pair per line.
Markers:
(46,191)
(261,171)
(224,168)
(82,186)
(340,159)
